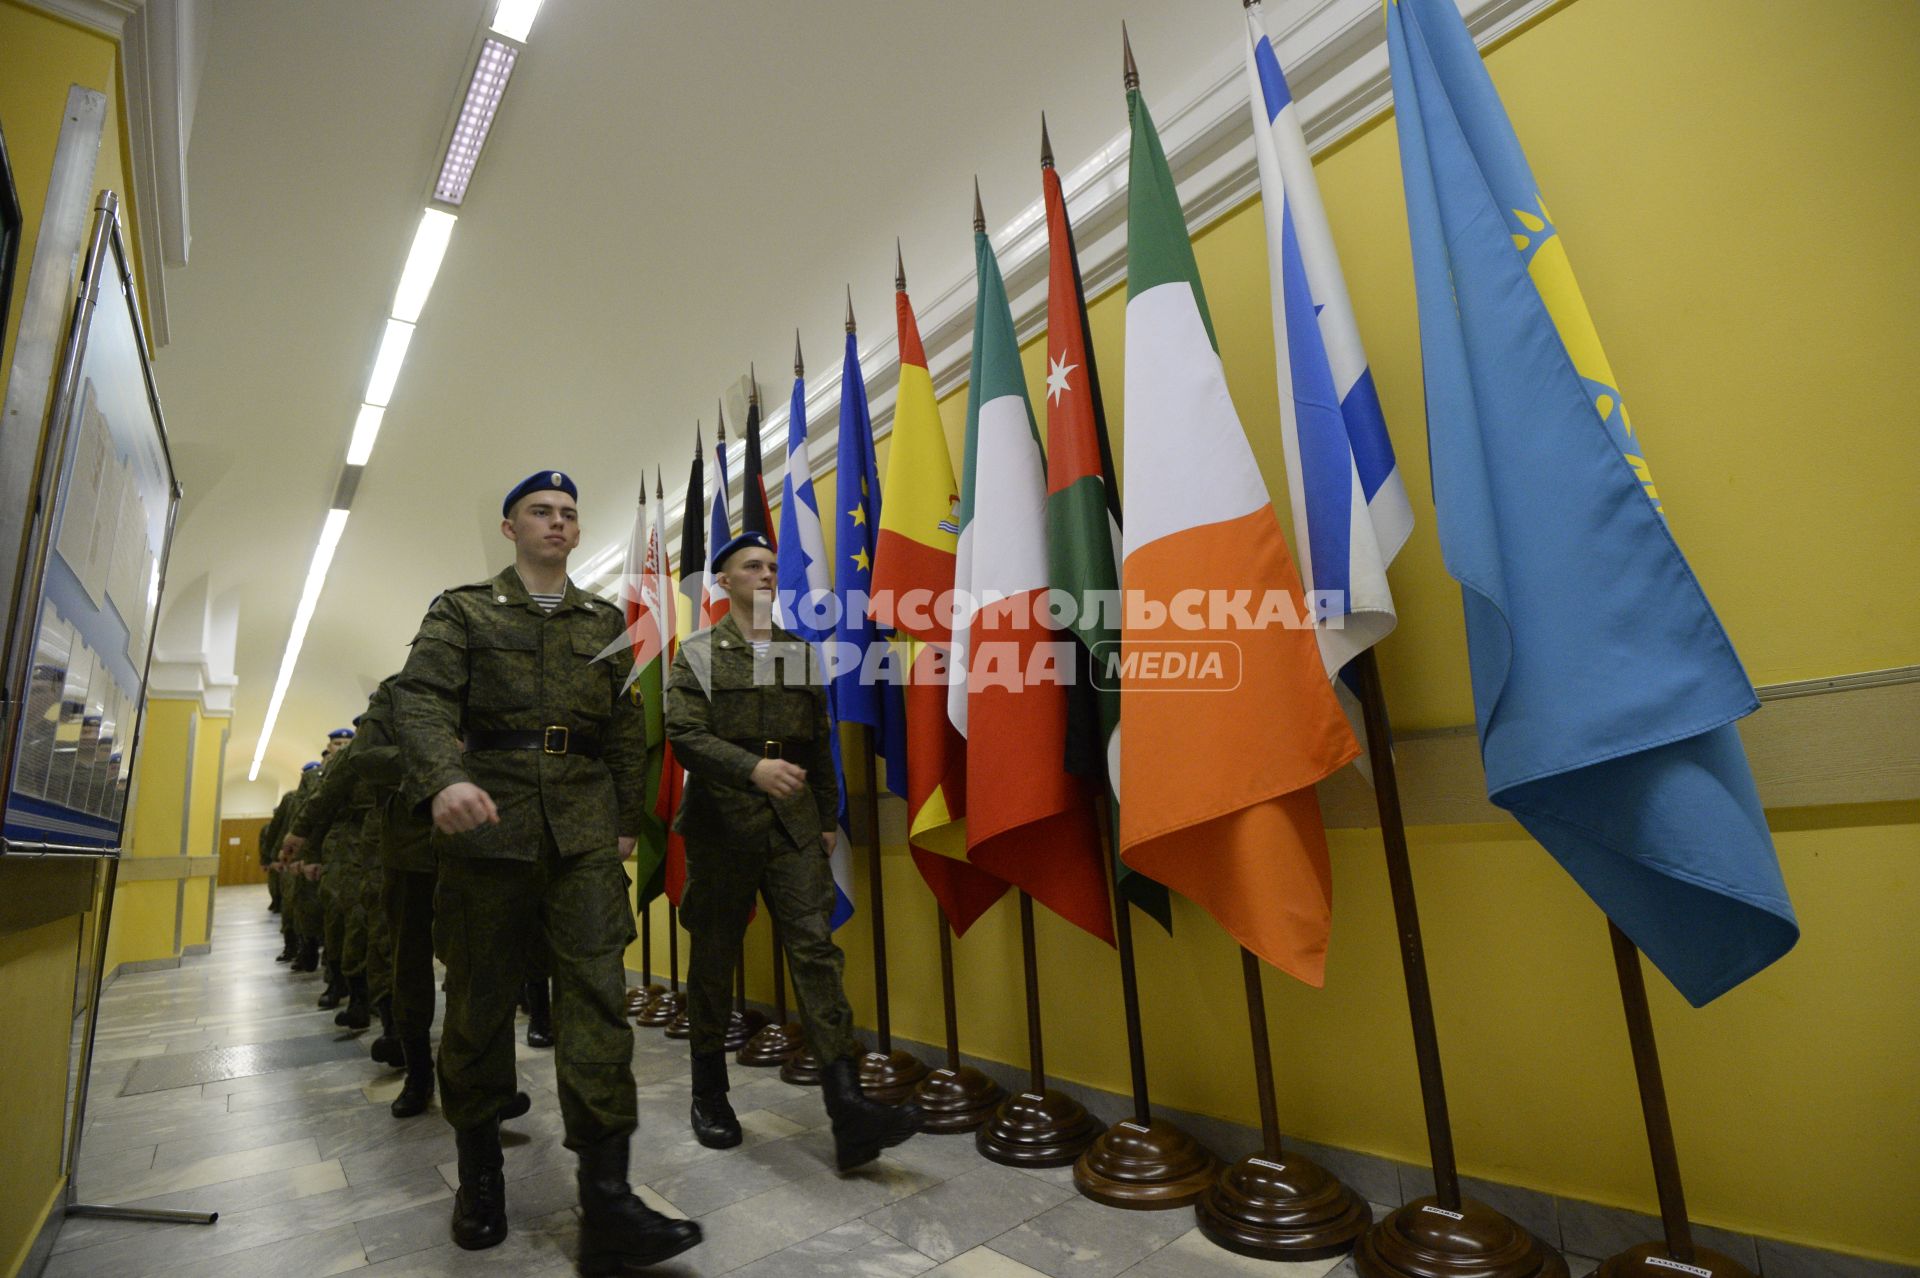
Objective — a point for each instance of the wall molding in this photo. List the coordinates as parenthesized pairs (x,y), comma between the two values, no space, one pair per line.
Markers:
(155,869)
(1335,53)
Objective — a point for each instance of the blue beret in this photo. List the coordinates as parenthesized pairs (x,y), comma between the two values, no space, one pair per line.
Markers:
(308,767)
(540,481)
(339,733)
(741,542)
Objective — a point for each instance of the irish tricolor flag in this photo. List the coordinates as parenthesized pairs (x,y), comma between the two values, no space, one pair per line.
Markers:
(1029,820)
(1229,716)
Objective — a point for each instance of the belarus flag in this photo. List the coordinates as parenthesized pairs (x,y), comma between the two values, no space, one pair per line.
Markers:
(1029,820)
(1228,725)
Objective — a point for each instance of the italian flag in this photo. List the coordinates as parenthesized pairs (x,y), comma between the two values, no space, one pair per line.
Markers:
(1029,820)
(1217,771)
(919,531)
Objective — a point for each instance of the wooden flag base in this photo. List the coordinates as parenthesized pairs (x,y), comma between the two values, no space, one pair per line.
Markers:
(742,1026)
(661,1011)
(1145,1167)
(679,1026)
(1653,1260)
(772,1045)
(801,1069)
(890,1077)
(639,997)
(1426,1240)
(957,1100)
(1284,1208)
(1038,1129)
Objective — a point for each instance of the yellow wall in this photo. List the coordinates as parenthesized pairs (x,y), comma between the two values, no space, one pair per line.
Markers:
(39,58)
(1724,175)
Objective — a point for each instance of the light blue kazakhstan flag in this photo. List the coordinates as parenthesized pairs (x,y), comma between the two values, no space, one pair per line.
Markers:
(802,607)
(1605,688)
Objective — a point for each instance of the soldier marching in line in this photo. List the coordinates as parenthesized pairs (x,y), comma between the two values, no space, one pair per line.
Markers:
(279,873)
(747,715)
(331,821)
(519,732)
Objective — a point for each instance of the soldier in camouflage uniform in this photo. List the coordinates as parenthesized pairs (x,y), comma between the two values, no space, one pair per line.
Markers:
(278,881)
(747,716)
(519,732)
(301,864)
(332,820)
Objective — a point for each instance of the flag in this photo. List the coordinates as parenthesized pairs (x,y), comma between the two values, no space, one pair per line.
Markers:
(755,514)
(716,604)
(1029,820)
(1350,508)
(1605,689)
(1230,722)
(1083,526)
(865,687)
(658,581)
(912,570)
(800,607)
(693,547)
(647,627)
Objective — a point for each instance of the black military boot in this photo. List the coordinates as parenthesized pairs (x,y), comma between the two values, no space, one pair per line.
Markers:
(337,989)
(862,1128)
(386,1048)
(356,1015)
(480,1207)
(517,1107)
(539,1014)
(714,1123)
(417,1090)
(618,1232)
(289,948)
(307,958)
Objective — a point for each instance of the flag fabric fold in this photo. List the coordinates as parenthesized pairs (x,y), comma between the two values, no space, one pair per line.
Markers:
(1605,689)
(647,632)
(715,604)
(1029,820)
(800,605)
(755,514)
(693,551)
(1217,766)
(657,582)
(912,570)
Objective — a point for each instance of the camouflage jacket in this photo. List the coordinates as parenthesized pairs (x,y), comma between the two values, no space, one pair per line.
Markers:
(276,827)
(402,836)
(487,659)
(302,795)
(724,705)
(332,816)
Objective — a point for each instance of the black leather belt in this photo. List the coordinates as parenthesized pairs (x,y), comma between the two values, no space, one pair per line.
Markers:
(552,739)
(766,748)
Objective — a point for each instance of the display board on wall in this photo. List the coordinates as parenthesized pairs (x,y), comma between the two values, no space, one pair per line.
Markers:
(90,600)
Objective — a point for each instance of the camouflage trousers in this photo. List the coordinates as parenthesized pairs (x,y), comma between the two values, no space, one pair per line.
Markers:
(492,912)
(798,888)
(379,935)
(274,890)
(302,910)
(407,901)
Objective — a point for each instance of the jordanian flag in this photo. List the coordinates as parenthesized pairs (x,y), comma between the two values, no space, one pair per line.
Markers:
(1083,526)
(913,564)
(1029,820)
(1229,723)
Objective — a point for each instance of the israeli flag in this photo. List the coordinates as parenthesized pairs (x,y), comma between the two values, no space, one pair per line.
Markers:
(802,607)
(1350,509)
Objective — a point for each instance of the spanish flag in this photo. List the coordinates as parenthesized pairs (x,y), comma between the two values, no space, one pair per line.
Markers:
(1229,716)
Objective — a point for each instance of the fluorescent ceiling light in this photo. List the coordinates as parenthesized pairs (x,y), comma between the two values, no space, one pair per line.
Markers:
(514,18)
(423,263)
(476,119)
(302,617)
(386,365)
(365,428)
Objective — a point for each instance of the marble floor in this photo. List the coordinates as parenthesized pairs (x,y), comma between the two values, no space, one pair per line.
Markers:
(312,1176)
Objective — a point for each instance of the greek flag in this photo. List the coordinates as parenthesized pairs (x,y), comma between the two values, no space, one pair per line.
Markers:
(801,604)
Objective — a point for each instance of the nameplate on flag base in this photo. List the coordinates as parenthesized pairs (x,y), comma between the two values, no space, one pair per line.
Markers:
(1418,1242)
(772,1045)
(1654,1260)
(1282,1208)
(1145,1168)
(802,1069)
(1038,1129)
(890,1077)
(640,997)
(957,1100)
(660,1012)
(742,1026)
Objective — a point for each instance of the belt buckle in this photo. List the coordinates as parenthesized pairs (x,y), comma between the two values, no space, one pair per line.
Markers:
(770,749)
(547,745)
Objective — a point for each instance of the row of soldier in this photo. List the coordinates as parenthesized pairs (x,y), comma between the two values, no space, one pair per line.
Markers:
(487,798)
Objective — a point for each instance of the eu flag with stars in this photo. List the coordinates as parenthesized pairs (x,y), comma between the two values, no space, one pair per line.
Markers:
(1605,689)
(864,689)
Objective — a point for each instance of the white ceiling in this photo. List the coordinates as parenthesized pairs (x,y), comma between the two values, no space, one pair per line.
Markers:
(671,187)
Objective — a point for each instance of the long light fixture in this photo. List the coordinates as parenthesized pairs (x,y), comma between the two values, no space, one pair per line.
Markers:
(475,121)
(514,18)
(386,365)
(302,618)
(365,428)
(423,263)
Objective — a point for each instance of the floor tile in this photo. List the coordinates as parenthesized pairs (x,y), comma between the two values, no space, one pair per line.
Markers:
(957,1215)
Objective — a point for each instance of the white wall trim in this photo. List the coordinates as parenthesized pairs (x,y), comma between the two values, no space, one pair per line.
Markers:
(1335,53)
